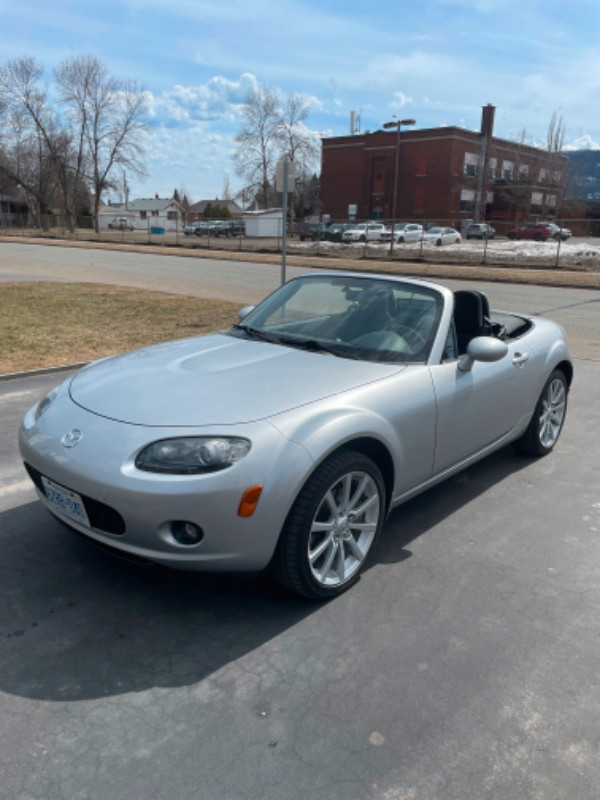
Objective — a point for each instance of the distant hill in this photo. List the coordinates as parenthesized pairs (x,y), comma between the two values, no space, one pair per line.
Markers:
(583,175)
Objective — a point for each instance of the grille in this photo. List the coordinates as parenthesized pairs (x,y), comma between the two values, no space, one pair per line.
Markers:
(101,517)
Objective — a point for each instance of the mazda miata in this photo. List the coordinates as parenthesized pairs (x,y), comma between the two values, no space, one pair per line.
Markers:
(284,442)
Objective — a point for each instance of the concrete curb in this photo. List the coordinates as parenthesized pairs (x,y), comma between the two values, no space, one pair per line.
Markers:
(30,373)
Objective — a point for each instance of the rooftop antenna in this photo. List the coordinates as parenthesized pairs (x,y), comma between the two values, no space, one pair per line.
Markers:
(354,123)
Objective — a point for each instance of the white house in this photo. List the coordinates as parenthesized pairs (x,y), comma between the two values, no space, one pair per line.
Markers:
(144,213)
(268,222)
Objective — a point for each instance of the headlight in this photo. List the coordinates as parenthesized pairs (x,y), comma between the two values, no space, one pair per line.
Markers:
(46,402)
(192,455)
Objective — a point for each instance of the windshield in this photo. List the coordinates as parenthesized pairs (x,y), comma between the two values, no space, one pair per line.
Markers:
(434,230)
(351,317)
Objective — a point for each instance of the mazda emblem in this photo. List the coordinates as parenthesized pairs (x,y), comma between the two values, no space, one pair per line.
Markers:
(73,437)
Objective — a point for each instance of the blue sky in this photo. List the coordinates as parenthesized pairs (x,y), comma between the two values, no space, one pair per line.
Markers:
(437,61)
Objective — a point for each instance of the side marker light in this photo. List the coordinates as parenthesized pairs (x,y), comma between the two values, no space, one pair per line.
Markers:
(249,501)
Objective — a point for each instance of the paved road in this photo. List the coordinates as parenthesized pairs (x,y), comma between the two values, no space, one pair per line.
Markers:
(578,310)
(463,665)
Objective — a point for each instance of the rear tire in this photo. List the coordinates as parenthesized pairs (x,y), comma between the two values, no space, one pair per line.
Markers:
(548,418)
(332,527)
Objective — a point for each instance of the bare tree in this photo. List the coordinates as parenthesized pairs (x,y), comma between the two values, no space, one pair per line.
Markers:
(226,193)
(56,158)
(295,141)
(109,118)
(34,149)
(555,138)
(257,142)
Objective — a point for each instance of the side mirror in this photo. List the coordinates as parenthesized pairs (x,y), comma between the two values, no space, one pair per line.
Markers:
(482,348)
(243,312)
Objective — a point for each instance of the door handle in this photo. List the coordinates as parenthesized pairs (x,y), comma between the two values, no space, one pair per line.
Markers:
(519,359)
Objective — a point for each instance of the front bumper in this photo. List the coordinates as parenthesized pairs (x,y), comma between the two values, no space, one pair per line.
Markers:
(101,469)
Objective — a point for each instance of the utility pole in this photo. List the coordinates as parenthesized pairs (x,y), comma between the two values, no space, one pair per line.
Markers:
(396,124)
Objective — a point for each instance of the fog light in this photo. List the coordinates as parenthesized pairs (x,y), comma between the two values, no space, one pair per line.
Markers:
(187,533)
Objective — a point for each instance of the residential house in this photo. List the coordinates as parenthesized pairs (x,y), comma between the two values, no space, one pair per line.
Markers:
(144,213)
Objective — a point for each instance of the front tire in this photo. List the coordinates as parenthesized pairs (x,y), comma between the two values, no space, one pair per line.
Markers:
(548,418)
(332,526)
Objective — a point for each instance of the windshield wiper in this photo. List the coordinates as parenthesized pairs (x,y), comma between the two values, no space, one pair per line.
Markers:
(341,350)
(254,333)
(314,345)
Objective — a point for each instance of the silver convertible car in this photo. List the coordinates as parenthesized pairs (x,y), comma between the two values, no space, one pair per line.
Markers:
(284,442)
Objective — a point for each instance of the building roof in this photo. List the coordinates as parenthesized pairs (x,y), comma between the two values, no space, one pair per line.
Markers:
(149,204)
(263,212)
(200,206)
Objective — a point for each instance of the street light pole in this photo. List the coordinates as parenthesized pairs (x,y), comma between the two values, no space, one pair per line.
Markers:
(397,124)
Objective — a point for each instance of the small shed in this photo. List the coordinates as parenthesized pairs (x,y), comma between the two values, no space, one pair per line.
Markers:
(268,222)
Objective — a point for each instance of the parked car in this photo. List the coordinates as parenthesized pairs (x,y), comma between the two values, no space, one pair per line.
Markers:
(480,230)
(121,224)
(310,229)
(377,388)
(334,232)
(404,232)
(226,227)
(538,231)
(192,229)
(365,232)
(442,236)
(558,232)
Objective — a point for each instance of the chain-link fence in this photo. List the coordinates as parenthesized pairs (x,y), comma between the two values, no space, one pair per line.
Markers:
(564,243)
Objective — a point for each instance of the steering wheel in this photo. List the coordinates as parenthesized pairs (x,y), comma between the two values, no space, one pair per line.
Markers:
(412,337)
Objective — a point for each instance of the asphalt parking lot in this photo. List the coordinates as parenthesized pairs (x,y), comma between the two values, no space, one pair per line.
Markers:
(464,664)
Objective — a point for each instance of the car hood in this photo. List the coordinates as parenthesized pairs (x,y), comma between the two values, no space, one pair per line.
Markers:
(215,380)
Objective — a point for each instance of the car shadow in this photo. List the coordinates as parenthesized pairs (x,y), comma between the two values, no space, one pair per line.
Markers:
(417,516)
(79,623)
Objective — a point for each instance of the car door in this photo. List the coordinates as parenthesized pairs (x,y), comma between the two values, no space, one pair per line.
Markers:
(479,407)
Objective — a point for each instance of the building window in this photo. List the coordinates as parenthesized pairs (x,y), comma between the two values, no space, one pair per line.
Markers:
(467,200)
(493,167)
(471,164)
(155,213)
(523,173)
(508,169)
(543,176)
(142,215)
(537,198)
(172,215)
(551,204)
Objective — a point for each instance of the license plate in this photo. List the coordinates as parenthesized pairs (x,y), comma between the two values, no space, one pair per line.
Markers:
(65,501)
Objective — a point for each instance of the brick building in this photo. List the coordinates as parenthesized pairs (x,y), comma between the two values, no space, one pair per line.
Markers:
(445,174)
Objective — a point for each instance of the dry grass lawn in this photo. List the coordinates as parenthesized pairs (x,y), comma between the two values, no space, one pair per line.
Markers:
(47,324)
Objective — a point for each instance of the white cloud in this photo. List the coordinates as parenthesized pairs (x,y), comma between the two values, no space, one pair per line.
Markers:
(400,100)
(584,142)
(218,99)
